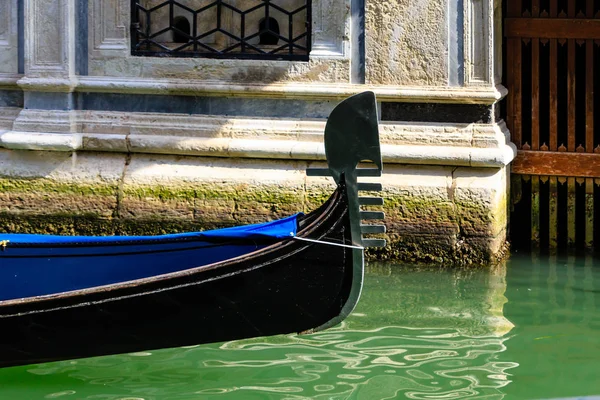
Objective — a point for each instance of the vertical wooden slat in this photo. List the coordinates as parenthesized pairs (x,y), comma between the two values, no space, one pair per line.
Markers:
(535,8)
(553,8)
(571,211)
(518,95)
(535,83)
(571,94)
(514,10)
(589,85)
(571,88)
(553,83)
(589,8)
(571,8)
(535,93)
(553,225)
(535,211)
(511,45)
(553,95)
(589,213)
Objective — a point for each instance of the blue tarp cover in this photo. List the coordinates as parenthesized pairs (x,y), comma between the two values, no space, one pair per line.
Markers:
(279,229)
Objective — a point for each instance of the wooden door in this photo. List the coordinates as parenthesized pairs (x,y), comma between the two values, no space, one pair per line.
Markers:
(553,113)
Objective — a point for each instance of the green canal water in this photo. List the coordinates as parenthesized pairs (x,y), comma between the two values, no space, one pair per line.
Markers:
(529,329)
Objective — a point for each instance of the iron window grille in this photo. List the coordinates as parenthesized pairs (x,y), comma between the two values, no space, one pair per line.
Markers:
(250,29)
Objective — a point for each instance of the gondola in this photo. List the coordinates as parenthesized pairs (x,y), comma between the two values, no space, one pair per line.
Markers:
(67,297)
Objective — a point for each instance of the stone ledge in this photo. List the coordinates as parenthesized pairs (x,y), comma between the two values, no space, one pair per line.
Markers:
(246,148)
(8,116)
(314,91)
(215,126)
(302,90)
(476,145)
(9,81)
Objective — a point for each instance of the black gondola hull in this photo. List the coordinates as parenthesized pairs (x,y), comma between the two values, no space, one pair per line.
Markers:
(291,286)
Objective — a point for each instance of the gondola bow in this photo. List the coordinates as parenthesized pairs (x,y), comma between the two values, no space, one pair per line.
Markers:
(67,297)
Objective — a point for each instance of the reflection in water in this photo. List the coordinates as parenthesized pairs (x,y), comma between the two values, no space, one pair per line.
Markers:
(416,333)
(420,363)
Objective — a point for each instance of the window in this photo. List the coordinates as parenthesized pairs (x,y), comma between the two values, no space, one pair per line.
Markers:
(257,29)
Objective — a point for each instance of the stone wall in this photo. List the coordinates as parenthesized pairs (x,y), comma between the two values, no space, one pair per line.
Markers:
(435,215)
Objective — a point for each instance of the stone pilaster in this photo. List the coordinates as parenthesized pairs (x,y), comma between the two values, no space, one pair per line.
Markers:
(49,49)
(482,42)
(49,78)
(8,37)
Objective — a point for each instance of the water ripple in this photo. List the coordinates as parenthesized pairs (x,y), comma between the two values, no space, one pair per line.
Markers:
(381,363)
(400,343)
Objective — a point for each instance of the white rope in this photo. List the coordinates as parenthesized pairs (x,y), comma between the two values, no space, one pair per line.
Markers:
(328,243)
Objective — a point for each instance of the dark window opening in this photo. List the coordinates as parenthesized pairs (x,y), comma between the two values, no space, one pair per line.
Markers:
(267,29)
(181,30)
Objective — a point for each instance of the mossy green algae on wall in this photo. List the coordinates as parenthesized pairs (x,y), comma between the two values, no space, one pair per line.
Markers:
(46,196)
(433,214)
(414,236)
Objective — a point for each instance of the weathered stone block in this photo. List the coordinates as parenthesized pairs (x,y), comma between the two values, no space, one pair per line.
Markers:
(149,203)
(406,42)
(210,190)
(59,183)
(445,216)
(481,198)
(48,197)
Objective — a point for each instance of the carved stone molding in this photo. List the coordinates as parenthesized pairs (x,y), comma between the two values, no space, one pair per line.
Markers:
(289,90)
(108,28)
(8,36)
(482,42)
(472,145)
(331,28)
(5,22)
(49,27)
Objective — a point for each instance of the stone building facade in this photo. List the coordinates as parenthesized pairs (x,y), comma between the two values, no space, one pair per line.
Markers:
(104,129)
